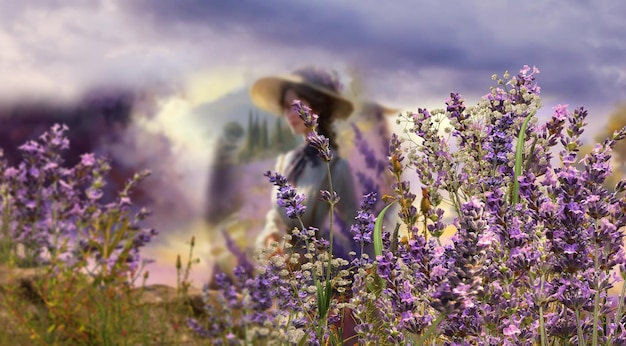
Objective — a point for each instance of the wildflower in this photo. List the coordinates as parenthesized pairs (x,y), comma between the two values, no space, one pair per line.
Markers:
(511,330)
(511,272)
(364,225)
(287,196)
(574,294)
(322,145)
(386,265)
(62,220)
(369,155)
(560,113)
(306,114)
(87,160)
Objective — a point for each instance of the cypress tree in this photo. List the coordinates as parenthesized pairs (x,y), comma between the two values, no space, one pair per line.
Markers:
(277,135)
(256,132)
(289,140)
(264,134)
(249,143)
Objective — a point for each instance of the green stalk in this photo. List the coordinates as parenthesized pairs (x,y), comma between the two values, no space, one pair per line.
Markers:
(324,292)
(457,203)
(579,329)
(431,329)
(542,327)
(319,291)
(596,299)
(542,323)
(332,215)
(393,241)
(618,314)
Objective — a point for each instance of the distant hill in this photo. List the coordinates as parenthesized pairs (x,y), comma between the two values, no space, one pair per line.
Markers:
(234,106)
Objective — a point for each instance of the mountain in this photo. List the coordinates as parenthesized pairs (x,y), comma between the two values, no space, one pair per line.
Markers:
(234,106)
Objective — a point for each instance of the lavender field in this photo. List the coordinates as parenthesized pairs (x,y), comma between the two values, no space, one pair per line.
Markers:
(536,257)
(520,241)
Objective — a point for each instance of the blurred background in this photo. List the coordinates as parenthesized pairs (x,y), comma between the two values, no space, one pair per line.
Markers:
(163,85)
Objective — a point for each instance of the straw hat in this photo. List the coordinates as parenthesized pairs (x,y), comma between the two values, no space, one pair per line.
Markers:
(377,108)
(265,92)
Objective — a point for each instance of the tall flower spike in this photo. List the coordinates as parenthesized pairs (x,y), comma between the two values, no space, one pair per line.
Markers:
(306,114)
(364,225)
(317,141)
(287,196)
(322,145)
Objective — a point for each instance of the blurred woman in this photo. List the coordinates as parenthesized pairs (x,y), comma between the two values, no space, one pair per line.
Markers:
(302,167)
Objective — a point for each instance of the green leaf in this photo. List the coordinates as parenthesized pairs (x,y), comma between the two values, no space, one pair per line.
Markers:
(303,341)
(378,285)
(519,152)
(320,298)
(378,232)
(325,304)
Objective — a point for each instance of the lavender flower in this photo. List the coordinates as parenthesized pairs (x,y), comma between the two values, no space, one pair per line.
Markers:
(316,140)
(532,272)
(287,196)
(306,114)
(364,225)
(57,214)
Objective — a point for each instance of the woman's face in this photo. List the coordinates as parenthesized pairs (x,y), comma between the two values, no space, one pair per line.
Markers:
(293,119)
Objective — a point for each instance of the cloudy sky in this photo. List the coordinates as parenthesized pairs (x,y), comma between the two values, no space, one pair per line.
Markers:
(408,53)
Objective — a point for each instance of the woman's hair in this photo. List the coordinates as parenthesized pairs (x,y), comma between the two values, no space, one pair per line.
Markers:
(321,104)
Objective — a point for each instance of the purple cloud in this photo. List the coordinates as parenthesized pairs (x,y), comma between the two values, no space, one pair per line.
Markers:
(569,41)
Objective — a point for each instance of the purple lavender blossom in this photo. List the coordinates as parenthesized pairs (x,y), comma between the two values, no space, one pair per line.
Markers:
(464,280)
(55,205)
(364,225)
(287,196)
(306,114)
(455,106)
(316,140)
(368,153)
(322,145)
(328,197)
(367,183)
(511,271)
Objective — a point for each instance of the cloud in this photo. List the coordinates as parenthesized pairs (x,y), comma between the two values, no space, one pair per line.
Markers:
(62,49)
(409,53)
(569,41)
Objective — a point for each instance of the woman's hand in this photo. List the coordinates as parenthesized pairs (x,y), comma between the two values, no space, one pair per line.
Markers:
(268,243)
(271,238)
(279,252)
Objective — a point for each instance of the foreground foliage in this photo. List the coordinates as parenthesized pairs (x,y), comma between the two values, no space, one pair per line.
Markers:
(537,249)
(82,255)
(532,261)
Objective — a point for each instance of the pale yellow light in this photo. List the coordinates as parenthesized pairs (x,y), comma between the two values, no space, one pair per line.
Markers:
(209,86)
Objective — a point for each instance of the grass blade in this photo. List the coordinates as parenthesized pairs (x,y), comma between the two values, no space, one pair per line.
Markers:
(519,152)
(378,232)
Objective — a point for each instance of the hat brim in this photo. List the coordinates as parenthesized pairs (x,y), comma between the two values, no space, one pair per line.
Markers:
(389,111)
(265,94)
(372,107)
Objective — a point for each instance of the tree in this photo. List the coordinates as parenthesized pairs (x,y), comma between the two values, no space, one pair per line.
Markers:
(277,136)
(249,144)
(256,133)
(264,134)
(223,194)
(233,130)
